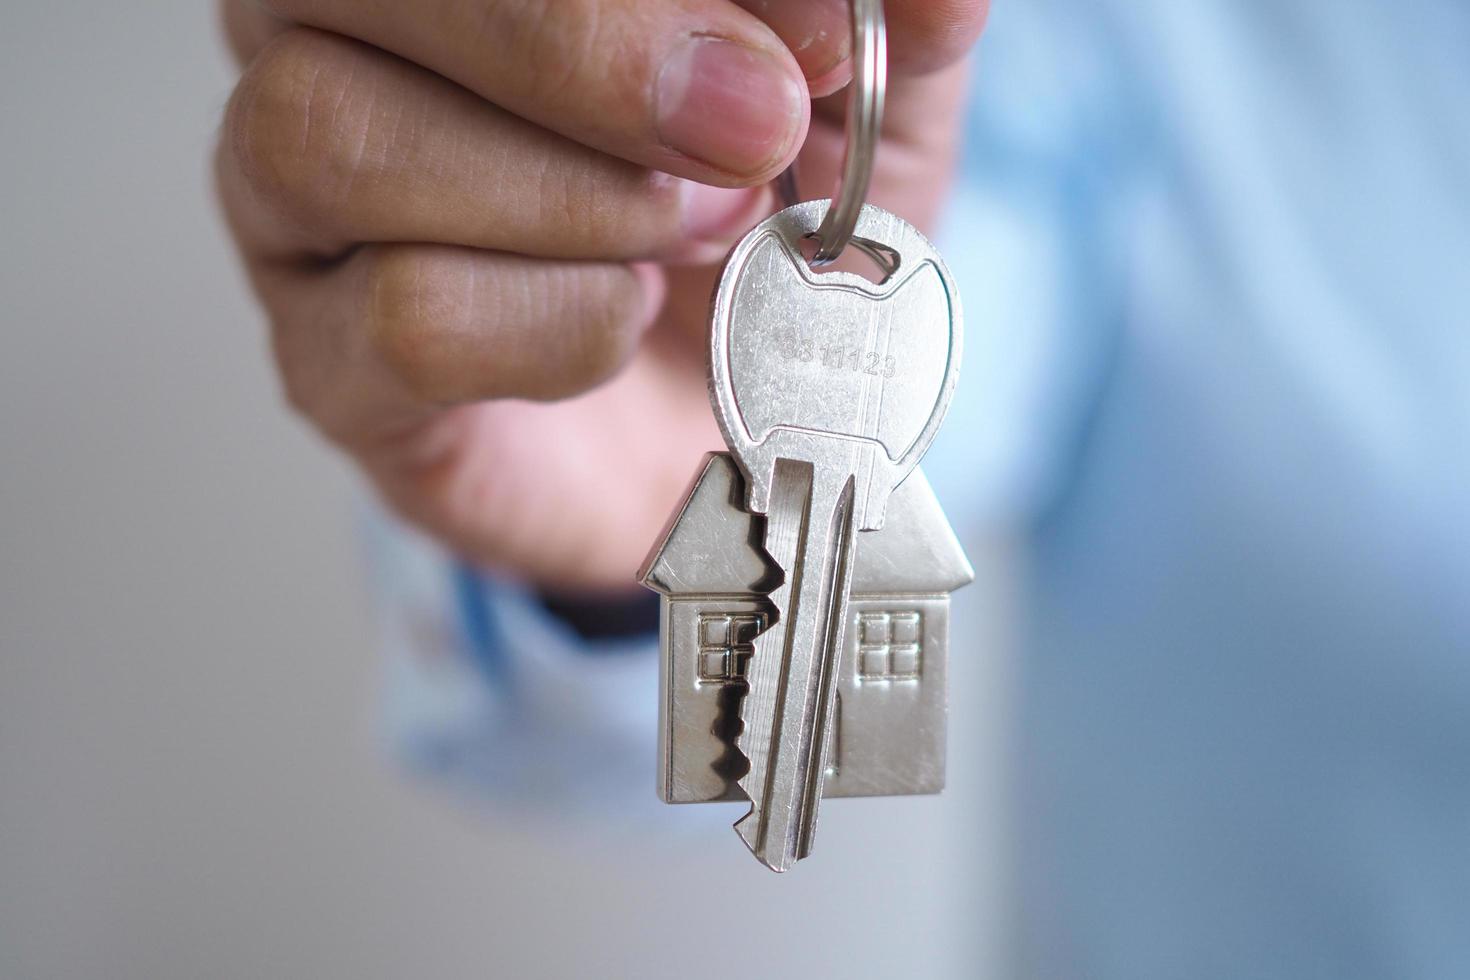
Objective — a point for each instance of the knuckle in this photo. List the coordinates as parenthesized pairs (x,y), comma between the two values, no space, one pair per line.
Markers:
(447,335)
(597,320)
(559,38)
(566,197)
(415,326)
(293,120)
(608,208)
(298,375)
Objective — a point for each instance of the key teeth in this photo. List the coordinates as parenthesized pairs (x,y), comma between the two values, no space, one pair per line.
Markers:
(775,613)
(749,826)
(750,766)
(738,741)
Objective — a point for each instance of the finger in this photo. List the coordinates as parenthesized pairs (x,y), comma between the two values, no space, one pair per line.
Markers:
(395,334)
(696,88)
(332,142)
(923,35)
(497,480)
(921,129)
(921,112)
(927,35)
(248,27)
(817,32)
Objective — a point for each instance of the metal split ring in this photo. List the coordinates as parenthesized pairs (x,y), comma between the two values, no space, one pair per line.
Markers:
(864,124)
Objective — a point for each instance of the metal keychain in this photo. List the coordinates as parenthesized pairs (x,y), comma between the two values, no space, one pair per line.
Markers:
(828,388)
(796,632)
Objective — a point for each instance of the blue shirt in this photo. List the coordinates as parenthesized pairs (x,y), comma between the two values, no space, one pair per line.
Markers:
(1216,264)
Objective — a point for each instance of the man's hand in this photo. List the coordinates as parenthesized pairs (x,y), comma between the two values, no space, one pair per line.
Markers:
(486,232)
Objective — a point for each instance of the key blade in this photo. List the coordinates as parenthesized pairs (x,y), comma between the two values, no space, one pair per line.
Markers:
(792,675)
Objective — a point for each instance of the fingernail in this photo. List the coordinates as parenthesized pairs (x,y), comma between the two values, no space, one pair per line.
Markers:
(718,214)
(728,105)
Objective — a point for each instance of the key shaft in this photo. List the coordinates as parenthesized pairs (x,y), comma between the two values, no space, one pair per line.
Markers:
(788,711)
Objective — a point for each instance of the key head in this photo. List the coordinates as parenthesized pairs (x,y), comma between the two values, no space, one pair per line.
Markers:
(830,368)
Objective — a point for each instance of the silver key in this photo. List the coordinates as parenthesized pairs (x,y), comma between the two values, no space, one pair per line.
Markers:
(828,389)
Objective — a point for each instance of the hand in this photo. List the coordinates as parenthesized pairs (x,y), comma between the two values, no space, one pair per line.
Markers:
(486,231)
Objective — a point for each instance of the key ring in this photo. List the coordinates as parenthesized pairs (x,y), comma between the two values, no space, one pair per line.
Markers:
(864,124)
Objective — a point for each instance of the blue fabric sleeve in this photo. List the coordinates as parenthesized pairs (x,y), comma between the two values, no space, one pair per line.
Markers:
(494,697)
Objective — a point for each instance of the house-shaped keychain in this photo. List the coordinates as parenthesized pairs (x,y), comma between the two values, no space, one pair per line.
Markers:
(713,576)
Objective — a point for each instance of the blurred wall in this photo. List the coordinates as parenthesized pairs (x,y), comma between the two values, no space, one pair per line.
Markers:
(190,780)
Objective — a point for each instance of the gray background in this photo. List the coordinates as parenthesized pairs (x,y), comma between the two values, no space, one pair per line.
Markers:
(191,783)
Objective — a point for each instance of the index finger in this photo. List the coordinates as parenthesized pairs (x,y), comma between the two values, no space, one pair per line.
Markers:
(697,88)
(923,35)
(927,35)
